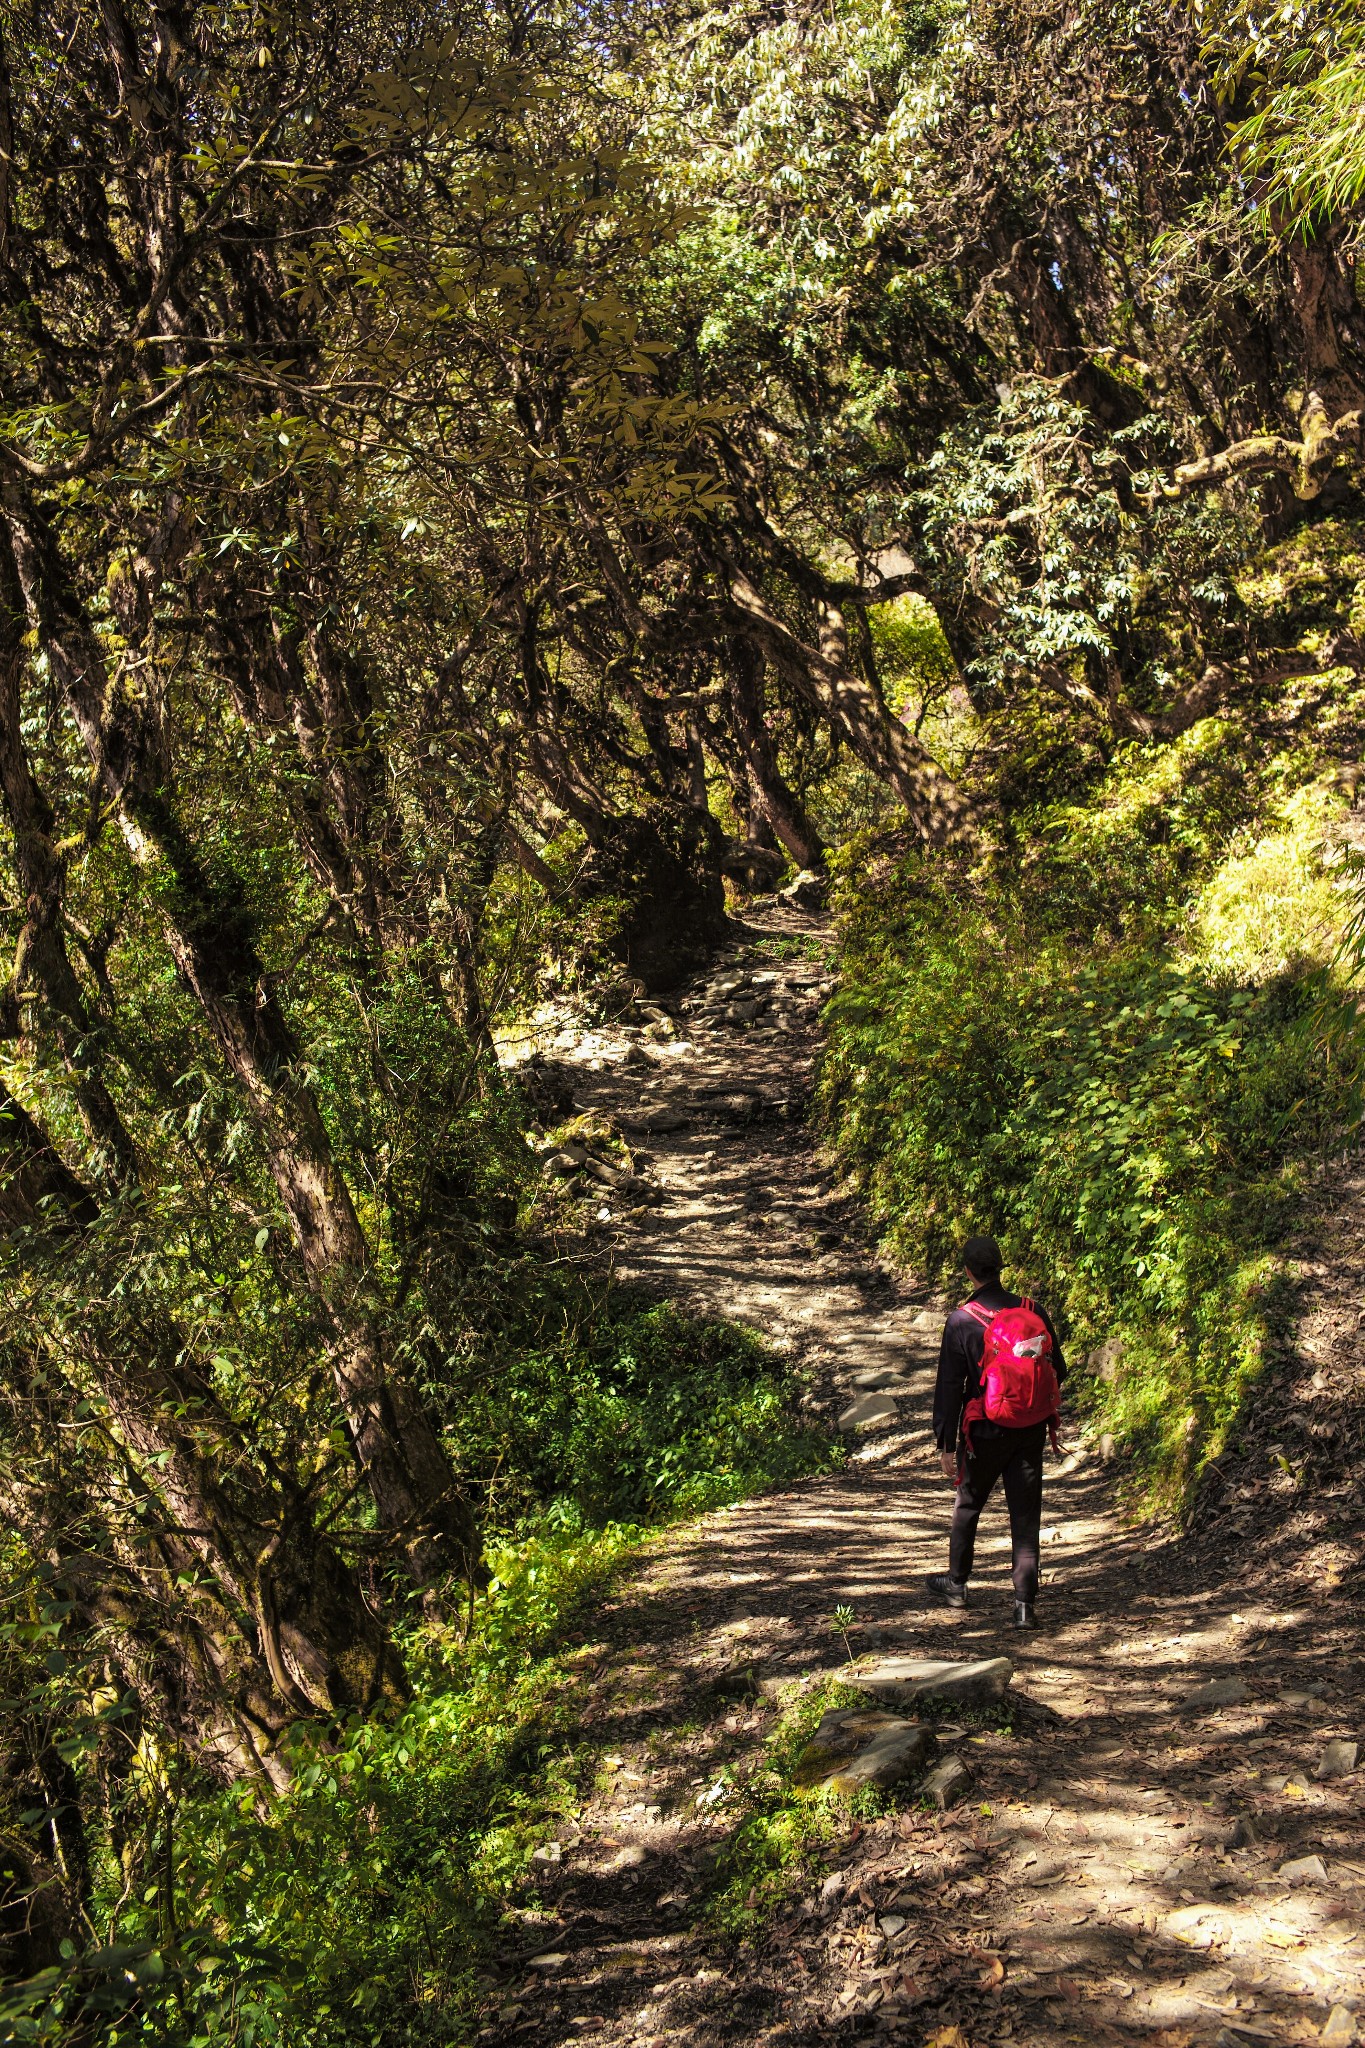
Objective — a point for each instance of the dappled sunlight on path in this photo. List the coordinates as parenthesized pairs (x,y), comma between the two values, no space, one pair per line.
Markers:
(1134,1862)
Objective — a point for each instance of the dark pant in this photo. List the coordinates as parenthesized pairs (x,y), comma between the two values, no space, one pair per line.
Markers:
(1017,1456)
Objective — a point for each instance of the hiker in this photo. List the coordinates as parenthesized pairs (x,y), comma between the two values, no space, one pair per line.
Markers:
(1012,1353)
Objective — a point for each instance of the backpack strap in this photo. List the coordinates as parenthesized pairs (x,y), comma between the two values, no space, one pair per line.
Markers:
(983,1317)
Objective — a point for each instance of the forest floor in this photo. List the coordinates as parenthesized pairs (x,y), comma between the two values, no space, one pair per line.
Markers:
(1132,1863)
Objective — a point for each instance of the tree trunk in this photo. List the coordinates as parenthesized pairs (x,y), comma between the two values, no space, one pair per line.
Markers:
(208,937)
(778,803)
(858,714)
(41,954)
(317,1646)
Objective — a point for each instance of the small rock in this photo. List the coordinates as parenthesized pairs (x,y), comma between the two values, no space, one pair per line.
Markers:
(654,1122)
(947,1782)
(1104,1362)
(562,1164)
(640,1061)
(629,1858)
(1304,1870)
(1340,2029)
(1338,1760)
(1108,1448)
(741,1681)
(548,1852)
(739,1108)
(806,892)
(891,1924)
(869,1411)
(551,1960)
(1220,1692)
(905,1679)
(877,1379)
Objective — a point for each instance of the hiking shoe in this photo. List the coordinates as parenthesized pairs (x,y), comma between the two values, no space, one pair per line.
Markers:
(1023,1615)
(948,1591)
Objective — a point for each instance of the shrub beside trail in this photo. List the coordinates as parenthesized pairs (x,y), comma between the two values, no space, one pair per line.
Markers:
(1132,1107)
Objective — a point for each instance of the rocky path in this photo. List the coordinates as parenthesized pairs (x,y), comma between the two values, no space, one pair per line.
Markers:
(1168,1845)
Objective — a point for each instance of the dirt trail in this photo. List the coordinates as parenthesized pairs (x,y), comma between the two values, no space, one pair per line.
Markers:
(1119,1872)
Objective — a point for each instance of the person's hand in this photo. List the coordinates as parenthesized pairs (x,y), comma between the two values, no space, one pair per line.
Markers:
(948,1466)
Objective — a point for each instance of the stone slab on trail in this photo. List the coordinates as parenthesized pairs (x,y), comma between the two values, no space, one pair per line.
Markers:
(654,1123)
(1220,1692)
(842,1731)
(904,1679)
(864,1749)
(898,1754)
(869,1411)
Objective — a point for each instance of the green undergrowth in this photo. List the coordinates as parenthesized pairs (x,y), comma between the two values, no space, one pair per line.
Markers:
(633,1412)
(784,1830)
(1122,1050)
(363,1906)
(778,1828)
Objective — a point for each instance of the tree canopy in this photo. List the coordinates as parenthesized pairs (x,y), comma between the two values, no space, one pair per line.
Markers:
(481,490)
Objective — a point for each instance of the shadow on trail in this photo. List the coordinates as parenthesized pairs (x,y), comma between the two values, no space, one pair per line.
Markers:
(1118,1870)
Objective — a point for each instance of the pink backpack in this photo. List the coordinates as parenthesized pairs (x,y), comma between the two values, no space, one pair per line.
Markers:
(1018,1380)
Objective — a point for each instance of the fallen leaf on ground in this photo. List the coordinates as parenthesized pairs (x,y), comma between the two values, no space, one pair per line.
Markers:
(948,2037)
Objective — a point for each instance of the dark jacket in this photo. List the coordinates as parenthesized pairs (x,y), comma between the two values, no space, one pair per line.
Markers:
(959,1364)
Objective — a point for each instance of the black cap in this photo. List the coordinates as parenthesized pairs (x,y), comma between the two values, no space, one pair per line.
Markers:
(981,1255)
